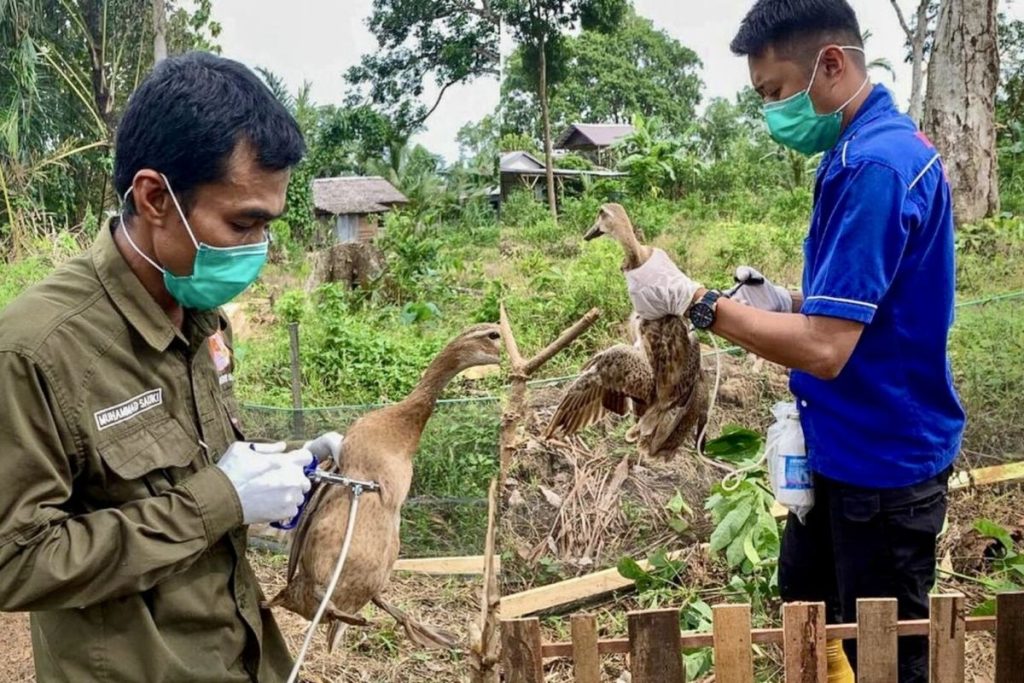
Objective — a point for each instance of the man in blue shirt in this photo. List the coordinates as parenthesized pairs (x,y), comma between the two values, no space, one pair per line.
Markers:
(866,340)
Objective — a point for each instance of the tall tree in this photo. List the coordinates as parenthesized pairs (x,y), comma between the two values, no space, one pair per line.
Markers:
(159,31)
(609,77)
(538,26)
(918,37)
(68,68)
(963,78)
(444,42)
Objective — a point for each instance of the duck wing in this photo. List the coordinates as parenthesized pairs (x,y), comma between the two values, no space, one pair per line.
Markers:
(612,380)
(299,537)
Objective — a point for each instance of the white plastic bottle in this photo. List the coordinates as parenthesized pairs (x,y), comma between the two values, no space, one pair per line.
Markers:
(788,468)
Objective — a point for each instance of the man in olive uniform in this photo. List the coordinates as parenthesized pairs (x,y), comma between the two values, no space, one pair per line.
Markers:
(127,480)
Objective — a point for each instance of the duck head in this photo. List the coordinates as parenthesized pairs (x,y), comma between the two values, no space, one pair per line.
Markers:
(476,345)
(613,221)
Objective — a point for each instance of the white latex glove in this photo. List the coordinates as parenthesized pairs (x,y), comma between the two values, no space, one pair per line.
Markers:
(270,483)
(326,446)
(766,295)
(658,288)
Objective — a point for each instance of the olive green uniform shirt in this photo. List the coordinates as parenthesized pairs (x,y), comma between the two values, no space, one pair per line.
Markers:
(116,530)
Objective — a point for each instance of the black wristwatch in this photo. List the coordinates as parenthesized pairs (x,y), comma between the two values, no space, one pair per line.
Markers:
(702,313)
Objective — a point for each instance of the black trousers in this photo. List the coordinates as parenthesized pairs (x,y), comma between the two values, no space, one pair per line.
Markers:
(867,543)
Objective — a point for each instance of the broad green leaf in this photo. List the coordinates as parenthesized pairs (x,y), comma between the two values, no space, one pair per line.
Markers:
(735,444)
(702,608)
(698,663)
(727,530)
(678,525)
(679,506)
(749,551)
(629,569)
(734,554)
(985,609)
(987,527)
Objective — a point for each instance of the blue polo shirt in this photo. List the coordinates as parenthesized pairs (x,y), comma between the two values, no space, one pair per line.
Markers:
(880,252)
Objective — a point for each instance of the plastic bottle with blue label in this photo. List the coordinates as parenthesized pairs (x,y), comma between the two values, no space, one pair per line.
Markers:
(788,468)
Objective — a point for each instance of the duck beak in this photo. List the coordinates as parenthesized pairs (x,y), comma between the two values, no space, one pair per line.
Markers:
(593,233)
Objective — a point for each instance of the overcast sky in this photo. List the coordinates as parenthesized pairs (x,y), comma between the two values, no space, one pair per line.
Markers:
(317,40)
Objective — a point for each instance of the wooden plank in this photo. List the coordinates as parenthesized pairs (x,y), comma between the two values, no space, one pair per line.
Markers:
(877,641)
(766,636)
(734,660)
(569,591)
(467,564)
(803,626)
(586,661)
(996,474)
(654,653)
(946,639)
(1009,637)
(521,651)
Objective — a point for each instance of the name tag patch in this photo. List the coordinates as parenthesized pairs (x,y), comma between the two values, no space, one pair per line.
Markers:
(122,412)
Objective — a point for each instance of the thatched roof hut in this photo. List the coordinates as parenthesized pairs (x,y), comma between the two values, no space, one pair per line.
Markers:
(351,205)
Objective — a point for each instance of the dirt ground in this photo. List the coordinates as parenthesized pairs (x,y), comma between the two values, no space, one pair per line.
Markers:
(379,653)
(382,654)
(16,653)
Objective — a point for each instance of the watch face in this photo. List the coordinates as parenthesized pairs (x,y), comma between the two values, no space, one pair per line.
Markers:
(702,315)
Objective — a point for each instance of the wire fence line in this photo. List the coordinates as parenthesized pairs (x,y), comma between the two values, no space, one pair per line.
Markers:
(566,378)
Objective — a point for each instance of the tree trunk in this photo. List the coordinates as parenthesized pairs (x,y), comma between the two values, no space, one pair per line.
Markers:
(102,92)
(546,121)
(159,31)
(916,39)
(963,75)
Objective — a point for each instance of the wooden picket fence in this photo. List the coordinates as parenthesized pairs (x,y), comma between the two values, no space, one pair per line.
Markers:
(655,644)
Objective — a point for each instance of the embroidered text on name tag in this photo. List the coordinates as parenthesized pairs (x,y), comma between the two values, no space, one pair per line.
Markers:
(109,417)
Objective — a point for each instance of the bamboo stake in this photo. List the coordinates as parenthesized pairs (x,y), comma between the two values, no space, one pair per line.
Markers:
(567,337)
(485,637)
(522,369)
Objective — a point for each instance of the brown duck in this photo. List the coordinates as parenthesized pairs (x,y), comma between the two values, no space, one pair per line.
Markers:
(379,447)
(658,378)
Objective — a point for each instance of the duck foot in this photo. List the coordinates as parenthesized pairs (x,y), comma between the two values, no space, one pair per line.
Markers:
(335,614)
(422,635)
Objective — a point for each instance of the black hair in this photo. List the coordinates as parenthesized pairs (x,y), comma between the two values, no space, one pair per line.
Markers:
(187,116)
(796,29)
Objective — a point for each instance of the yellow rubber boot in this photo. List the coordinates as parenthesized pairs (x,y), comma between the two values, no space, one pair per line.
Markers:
(839,669)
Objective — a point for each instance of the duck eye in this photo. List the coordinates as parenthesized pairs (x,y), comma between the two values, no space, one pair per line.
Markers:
(494,335)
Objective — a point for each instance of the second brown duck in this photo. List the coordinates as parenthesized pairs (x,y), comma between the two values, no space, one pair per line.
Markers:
(659,378)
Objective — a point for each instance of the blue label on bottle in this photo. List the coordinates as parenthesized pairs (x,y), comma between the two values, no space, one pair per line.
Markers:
(797,475)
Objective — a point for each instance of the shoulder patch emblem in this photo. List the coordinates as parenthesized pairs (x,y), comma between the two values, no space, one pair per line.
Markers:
(219,352)
(122,412)
(924,138)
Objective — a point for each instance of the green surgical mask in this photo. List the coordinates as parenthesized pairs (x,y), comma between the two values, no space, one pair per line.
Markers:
(793,122)
(219,274)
